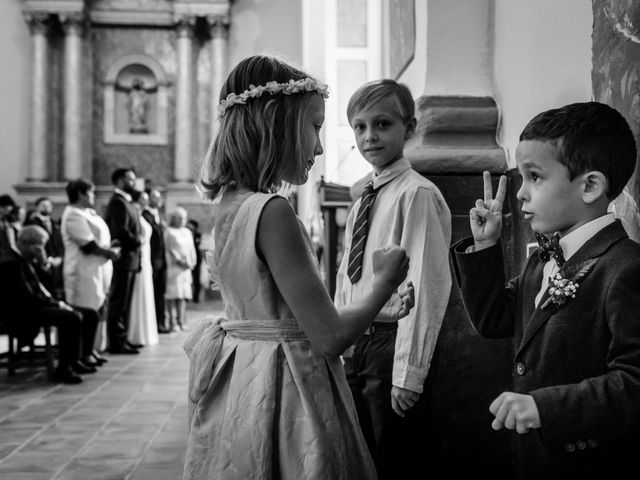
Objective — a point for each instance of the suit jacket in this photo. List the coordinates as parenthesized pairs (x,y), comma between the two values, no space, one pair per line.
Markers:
(158,258)
(55,245)
(580,361)
(22,294)
(125,229)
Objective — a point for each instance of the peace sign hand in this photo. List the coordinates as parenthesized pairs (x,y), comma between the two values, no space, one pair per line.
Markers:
(486,217)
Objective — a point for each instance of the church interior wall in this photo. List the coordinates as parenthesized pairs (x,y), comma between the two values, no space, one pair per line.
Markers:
(542,60)
(15,61)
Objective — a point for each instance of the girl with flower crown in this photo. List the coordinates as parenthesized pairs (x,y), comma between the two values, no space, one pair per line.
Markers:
(268,398)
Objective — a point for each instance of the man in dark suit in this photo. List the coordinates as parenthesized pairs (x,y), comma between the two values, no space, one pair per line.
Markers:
(28,305)
(54,247)
(122,219)
(151,214)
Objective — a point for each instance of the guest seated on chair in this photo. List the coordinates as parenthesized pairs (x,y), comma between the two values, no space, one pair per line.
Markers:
(29,305)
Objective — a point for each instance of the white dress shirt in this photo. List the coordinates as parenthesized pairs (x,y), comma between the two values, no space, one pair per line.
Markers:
(571,243)
(409,211)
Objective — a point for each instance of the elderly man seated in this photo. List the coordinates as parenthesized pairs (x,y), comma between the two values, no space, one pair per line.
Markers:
(29,305)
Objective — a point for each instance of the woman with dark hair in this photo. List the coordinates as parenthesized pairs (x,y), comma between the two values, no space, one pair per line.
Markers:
(87,265)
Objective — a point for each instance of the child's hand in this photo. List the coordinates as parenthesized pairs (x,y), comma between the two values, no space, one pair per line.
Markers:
(486,217)
(390,265)
(407,300)
(403,399)
(515,411)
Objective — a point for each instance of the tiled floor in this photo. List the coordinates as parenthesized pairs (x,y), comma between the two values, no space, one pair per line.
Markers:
(127,421)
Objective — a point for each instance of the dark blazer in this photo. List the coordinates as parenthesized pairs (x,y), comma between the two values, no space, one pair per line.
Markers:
(21,294)
(55,245)
(158,258)
(580,361)
(124,225)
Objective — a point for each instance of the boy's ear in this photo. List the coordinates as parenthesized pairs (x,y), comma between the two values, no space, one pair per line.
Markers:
(410,127)
(595,186)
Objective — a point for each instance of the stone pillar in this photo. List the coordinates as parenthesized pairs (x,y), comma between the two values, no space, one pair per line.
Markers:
(219,26)
(72,25)
(184,101)
(38,24)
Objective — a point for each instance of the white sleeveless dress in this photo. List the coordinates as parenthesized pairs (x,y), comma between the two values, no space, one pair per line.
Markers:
(143,328)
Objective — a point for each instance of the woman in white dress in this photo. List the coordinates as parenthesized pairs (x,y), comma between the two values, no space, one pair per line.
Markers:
(143,328)
(181,258)
(87,267)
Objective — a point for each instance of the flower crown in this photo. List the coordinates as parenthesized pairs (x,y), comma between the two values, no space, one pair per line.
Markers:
(288,88)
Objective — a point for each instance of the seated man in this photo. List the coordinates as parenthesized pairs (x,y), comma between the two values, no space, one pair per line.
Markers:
(30,305)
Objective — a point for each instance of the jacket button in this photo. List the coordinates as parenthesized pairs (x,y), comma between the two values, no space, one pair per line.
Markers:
(581,445)
(592,443)
(570,447)
(520,368)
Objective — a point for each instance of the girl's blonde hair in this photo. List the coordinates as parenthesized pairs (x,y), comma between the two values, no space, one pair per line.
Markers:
(259,141)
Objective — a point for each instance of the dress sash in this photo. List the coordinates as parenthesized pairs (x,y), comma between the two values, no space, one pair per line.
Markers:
(205,342)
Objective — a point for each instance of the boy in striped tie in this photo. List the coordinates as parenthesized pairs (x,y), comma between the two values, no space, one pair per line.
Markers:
(387,366)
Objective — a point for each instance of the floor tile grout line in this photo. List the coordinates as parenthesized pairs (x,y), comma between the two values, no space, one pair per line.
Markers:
(78,403)
(32,401)
(77,454)
(150,442)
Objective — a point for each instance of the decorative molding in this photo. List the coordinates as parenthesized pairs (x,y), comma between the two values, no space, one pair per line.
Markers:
(132,17)
(185,25)
(201,8)
(110,135)
(38,22)
(53,6)
(73,23)
(219,25)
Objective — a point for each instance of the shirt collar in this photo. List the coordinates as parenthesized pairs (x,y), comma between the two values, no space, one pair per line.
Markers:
(124,194)
(392,171)
(572,242)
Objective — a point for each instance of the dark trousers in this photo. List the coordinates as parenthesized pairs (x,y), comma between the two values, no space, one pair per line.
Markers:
(195,281)
(90,320)
(119,305)
(397,444)
(69,328)
(159,287)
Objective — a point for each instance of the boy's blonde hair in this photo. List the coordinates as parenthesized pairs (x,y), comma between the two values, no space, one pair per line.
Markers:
(373,92)
(255,139)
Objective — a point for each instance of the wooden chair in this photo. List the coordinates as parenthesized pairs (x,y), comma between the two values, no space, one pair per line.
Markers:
(20,355)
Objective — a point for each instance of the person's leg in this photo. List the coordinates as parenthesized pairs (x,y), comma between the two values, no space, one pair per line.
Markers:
(159,287)
(118,308)
(352,369)
(90,319)
(181,312)
(68,325)
(376,372)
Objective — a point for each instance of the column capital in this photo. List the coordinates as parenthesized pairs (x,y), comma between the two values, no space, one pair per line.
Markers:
(219,25)
(38,22)
(185,26)
(73,23)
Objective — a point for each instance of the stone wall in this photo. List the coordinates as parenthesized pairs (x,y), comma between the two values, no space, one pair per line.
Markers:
(616,82)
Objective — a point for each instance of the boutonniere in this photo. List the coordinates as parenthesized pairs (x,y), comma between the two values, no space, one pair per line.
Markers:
(564,285)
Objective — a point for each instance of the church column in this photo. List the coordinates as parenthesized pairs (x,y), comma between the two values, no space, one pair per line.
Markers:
(219,26)
(184,101)
(38,24)
(72,25)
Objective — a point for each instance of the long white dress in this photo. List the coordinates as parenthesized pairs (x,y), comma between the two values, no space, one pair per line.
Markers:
(143,328)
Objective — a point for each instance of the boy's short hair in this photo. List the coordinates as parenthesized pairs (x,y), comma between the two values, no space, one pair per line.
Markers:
(371,93)
(39,200)
(119,173)
(589,136)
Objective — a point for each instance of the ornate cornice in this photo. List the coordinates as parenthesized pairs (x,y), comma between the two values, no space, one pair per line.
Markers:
(73,22)
(219,25)
(38,22)
(185,25)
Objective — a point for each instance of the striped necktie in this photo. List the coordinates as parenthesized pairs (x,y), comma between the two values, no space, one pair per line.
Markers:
(360,230)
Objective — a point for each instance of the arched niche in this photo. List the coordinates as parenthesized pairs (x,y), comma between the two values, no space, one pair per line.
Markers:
(135,101)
